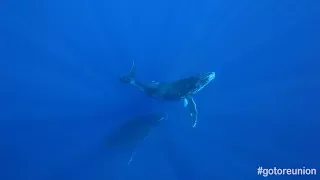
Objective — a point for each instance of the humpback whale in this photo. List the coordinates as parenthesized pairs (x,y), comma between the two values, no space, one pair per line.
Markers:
(130,133)
(115,149)
(182,89)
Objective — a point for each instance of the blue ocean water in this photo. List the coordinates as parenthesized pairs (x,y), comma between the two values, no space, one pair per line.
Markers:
(60,91)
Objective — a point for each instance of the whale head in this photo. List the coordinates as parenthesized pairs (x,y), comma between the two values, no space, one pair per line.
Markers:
(201,80)
(205,78)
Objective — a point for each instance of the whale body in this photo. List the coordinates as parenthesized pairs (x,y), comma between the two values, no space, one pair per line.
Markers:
(182,89)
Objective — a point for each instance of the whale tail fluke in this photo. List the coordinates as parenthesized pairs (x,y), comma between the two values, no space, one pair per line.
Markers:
(129,79)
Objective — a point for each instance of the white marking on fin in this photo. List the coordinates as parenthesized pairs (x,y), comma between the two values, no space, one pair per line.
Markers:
(134,152)
(131,157)
(195,122)
(132,67)
(185,102)
(193,111)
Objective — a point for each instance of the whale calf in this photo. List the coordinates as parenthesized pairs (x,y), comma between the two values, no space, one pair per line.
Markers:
(182,89)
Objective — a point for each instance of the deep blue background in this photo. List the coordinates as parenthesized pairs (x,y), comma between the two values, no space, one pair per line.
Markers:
(60,63)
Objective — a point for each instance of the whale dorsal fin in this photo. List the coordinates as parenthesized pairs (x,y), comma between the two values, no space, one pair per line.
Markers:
(153,84)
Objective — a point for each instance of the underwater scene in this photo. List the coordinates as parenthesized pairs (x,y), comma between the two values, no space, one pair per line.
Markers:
(159,90)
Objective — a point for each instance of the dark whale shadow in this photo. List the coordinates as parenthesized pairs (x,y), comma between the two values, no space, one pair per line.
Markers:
(115,151)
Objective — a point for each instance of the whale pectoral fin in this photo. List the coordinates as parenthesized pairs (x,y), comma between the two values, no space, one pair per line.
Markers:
(130,160)
(129,79)
(192,107)
(185,102)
